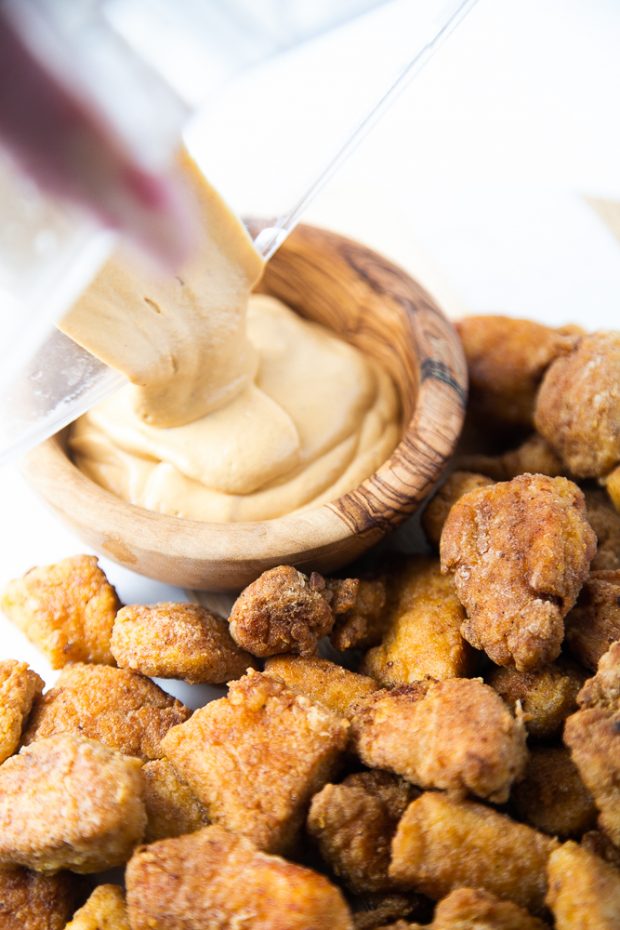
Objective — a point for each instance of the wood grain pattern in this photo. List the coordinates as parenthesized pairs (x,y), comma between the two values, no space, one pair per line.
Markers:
(382,310)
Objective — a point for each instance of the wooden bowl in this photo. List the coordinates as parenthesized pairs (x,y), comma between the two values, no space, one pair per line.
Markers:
(369,302)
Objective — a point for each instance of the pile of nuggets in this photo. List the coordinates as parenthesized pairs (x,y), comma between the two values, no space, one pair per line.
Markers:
(454,764)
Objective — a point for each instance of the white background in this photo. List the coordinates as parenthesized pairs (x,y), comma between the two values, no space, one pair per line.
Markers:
(475,182)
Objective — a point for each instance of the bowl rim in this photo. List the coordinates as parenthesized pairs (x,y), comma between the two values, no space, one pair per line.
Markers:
(431,433)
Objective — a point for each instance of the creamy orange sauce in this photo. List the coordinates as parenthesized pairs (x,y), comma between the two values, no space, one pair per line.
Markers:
(238,408)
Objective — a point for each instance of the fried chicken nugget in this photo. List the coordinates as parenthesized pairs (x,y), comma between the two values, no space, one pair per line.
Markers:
(583,891)
(106,909)
(454,487)
(353,824)
(29,901)
(371,911)
(578,406)
(612,484)
(114,706)
(456,734)
(476,909)
(70,803)
(552,796)
(66,609)
(534,456)
(172,808)
(216,879)
(547,695)
(593,736)
(324,682)
(359,618)
(597,842)
(18,688)
(506,360)
(178,641)
(282,611)
(442,843)
(605,522)
(594,622)
(520,551)
(423,633)
(255,758)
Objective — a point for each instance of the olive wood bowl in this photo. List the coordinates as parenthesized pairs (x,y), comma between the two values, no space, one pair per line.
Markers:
(376,306)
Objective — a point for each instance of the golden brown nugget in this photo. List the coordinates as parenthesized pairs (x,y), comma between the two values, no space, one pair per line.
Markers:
(70,803)
(456,734)
(534,456)
(255,758)
(605,522)
(552,796)
(178,641)
(114,706)
(172,808)
(18,688)
(29,901)
(506,360)
(476,909)
(359,620)
(594,622)
(423,634)
(547,695)
(218,880)
(282,611)
(597,842)
(593,737)
(353,824)
(442,843)
(519,551)
(454,487)
(578,406)
(322,681)
(374,911)
(105,910)
(66,609)
(612,484)
(584,891)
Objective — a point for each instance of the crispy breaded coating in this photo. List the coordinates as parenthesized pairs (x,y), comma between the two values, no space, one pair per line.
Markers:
(66,609)
(605,522)
(255,758)
(178,641)
(105,910)
(282,611)
(454,487)
(353,824)
(423,634)
(547,695)
(584,891)
(19,686)
(216,879)
(30,901)
(594,622)
(374,911)
(322,681)
(593,737)
(70,803)
(172,808)
(114,706)
(476,909)
(443,843)
(552,796)
(456,734)
(534,456)
(612,484)
(520,551)
(360,621)
(597,842)
(578,406)
(506,360)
